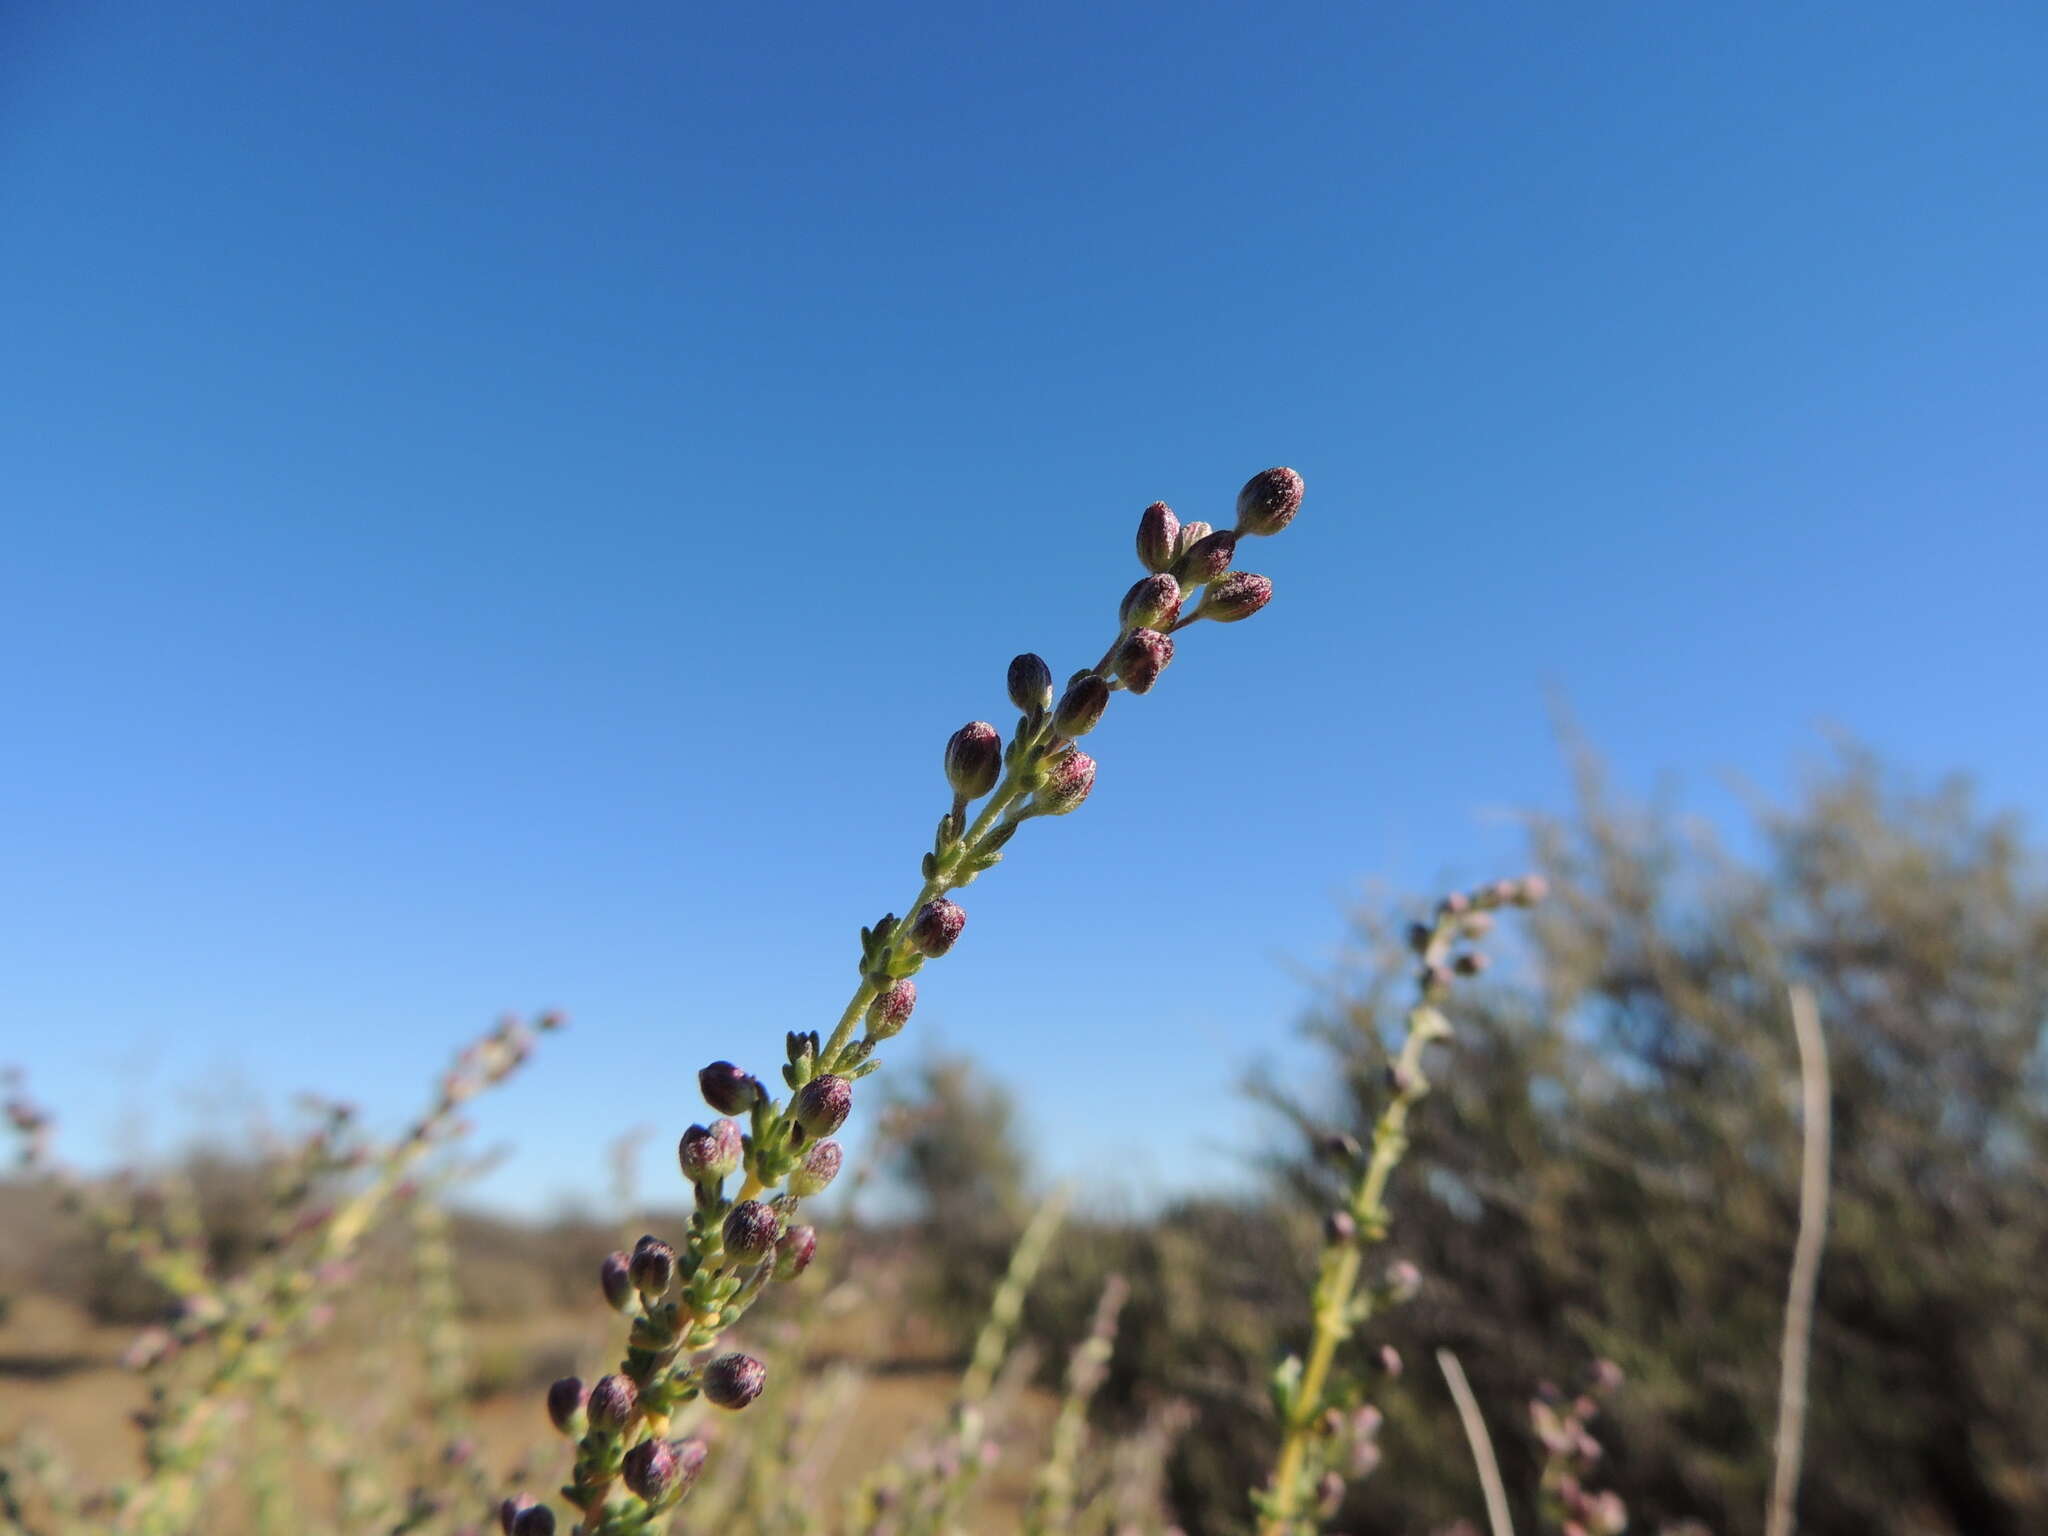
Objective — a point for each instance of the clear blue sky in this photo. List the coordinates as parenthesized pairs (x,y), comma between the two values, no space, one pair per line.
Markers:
(503,505)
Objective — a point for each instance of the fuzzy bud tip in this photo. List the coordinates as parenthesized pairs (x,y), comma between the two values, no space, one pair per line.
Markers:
(1158,534)
(936,927)
(823,1104)
(974,759)
(733,1381)
(1268,501)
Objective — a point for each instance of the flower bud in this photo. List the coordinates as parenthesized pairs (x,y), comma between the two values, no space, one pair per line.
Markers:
(1404,1281)
(1390,1360)
(891,1009)
(1206,559)
(1141,658)
(751,1230)
(537,1520)
(1191,534)
(612,1403)
(1068,778)
(1152,603)
(823,1104)
(1471,963)
(1158,532)
(733,1381)
(1339,1227)
(614,1274)
(1268,501)
(510,1510)
(565,1403)
(652,1266)
(727,1089)
(936,927)
(1081,706)
(1030,683)
(650,1470)
(974,759)
(1533,889)
(1329,1495)
(1236,596)
(710,1153)
(818,1169)
(794,1253)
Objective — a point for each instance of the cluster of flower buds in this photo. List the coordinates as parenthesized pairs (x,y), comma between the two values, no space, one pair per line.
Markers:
(1571,1455)
(681,1297)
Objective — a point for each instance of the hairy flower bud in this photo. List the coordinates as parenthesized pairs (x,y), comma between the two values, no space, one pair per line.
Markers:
(1141,658)
(818,1169)
(510,1510)
(733,1381)
(1268,501)
(823,1104)
(1152,603)
(727,1089)
(794,1253)
(653,1266)
(1030,683)
(537,1520)
(1068,778)
(614,1274)
(709,1153)
(1206,559)
(565,1403)
(1158,533)
(1236,596)
(612,1403)
(891,1010)
(936,926)
(1081,706)
(651,1470)
(974,759)
(751,1230)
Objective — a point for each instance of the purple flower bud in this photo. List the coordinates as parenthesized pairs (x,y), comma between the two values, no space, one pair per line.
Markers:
(565,1403)
(536,1521)
(612,1403)
(614,1274)
(1454,905)
(1152,603)
(650,1470)
(1471,963)
(709,1153)
(1141,658)
(890,1011)
(652,1266)
(727,1089)
(1068,778)
(1339,1227)
(936,927)
(1191,534)
(1340,1148)
(1030,683)
(751,1230)
(1081,706)
(1390,1360)
(794,1253)
(1236,596)
(733,1381)
(823,1104)
(1268,501)
(1206,559)
(510,1510)
(974,759)
(818,1169)
(1158,532)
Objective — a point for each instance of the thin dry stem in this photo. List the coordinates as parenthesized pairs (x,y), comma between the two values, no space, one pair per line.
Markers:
(1806,1252)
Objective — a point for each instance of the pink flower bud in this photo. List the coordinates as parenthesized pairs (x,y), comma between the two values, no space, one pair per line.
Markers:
(794,1253)
(1268,501)
(891,1010)
(727,1089)
(1206,559)
(1030,683)
(823,1104)
(733,1381)
(1158,532)
(1068,778)
(816,1172)
(1081,706)
(650,1470)
(612,1403)
(1236,596)
(752,1230)
(974,759)
(1152,603)
(936,927)
(1141,658)
(710,1153)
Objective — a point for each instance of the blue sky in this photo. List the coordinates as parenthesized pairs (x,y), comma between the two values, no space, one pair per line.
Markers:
(504,504)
